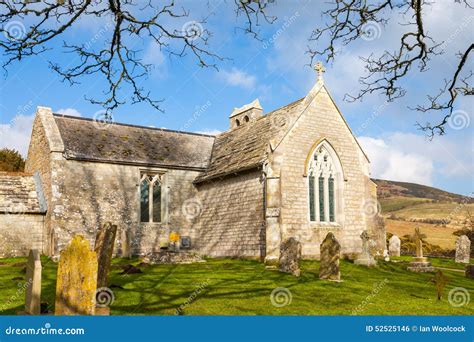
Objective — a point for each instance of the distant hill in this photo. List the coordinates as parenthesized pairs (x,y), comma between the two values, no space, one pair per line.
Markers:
(438,213)
(387,189)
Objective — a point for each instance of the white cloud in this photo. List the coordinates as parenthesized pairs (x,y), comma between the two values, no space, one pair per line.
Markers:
(413,158)
(392,162)
(16,134)
(236,77)
(155,57)
(68,111)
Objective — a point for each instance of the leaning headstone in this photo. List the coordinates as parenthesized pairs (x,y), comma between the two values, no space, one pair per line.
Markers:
(469,271)
(419,263)
(463,249)
(76,279)
(104,247)
(290,255)
(394,246)
(330,254)
(33,283)
(364,258)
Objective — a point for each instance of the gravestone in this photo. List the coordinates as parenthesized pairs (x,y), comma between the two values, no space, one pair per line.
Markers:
(76,279)
(33,283)
(125,244)
(290,255)
(469,271)
(330,254)
(394,246)
(364,258)
(419,263)
(440,281)
(104,247)
(463,249)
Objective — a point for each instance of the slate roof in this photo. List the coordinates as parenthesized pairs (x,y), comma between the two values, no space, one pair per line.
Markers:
(85,139)
(18,194)
(245,147)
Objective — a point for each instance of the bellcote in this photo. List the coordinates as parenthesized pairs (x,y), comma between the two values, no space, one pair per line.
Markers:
(245,114)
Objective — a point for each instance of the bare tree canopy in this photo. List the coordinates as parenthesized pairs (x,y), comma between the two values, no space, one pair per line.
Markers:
(350,20)
(346,21)
(124,21)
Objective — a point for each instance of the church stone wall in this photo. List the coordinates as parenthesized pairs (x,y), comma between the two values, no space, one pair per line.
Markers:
(320,121)
(19,233)
(39,159)
(88,194)
(222,217)
(232,220)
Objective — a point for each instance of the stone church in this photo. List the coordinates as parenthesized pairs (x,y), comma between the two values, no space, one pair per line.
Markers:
(297,171)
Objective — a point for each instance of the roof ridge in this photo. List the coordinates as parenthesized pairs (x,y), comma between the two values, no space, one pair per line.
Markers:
(136,126)
(282,107)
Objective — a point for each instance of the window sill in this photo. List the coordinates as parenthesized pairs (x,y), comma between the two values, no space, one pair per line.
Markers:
(325,225)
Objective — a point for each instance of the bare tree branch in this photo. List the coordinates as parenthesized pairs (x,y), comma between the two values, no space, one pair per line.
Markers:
(457,85)
(254,11)
(117,61)
(350,20)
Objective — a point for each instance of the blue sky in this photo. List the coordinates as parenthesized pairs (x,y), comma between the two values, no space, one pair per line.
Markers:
(274,70)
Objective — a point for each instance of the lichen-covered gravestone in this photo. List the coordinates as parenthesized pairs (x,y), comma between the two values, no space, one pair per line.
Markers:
(463,249)
(76,279)
(290,255)
(104,247)
(33,283)
(330,255)
(394,246)
(364,258)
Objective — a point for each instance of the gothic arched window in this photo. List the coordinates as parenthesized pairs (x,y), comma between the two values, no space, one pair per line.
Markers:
(150,198)
(324,178)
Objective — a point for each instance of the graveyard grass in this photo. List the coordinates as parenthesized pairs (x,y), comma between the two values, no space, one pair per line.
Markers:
(243,287)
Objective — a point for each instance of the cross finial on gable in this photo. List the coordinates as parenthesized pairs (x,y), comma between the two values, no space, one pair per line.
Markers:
(319,67)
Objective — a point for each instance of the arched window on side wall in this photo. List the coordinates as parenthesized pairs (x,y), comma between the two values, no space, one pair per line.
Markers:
(324,184)
(150,198)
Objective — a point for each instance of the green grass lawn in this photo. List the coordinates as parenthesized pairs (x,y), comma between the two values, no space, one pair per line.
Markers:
(242,287)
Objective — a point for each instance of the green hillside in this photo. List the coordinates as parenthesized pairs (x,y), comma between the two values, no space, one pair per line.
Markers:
(439,214)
